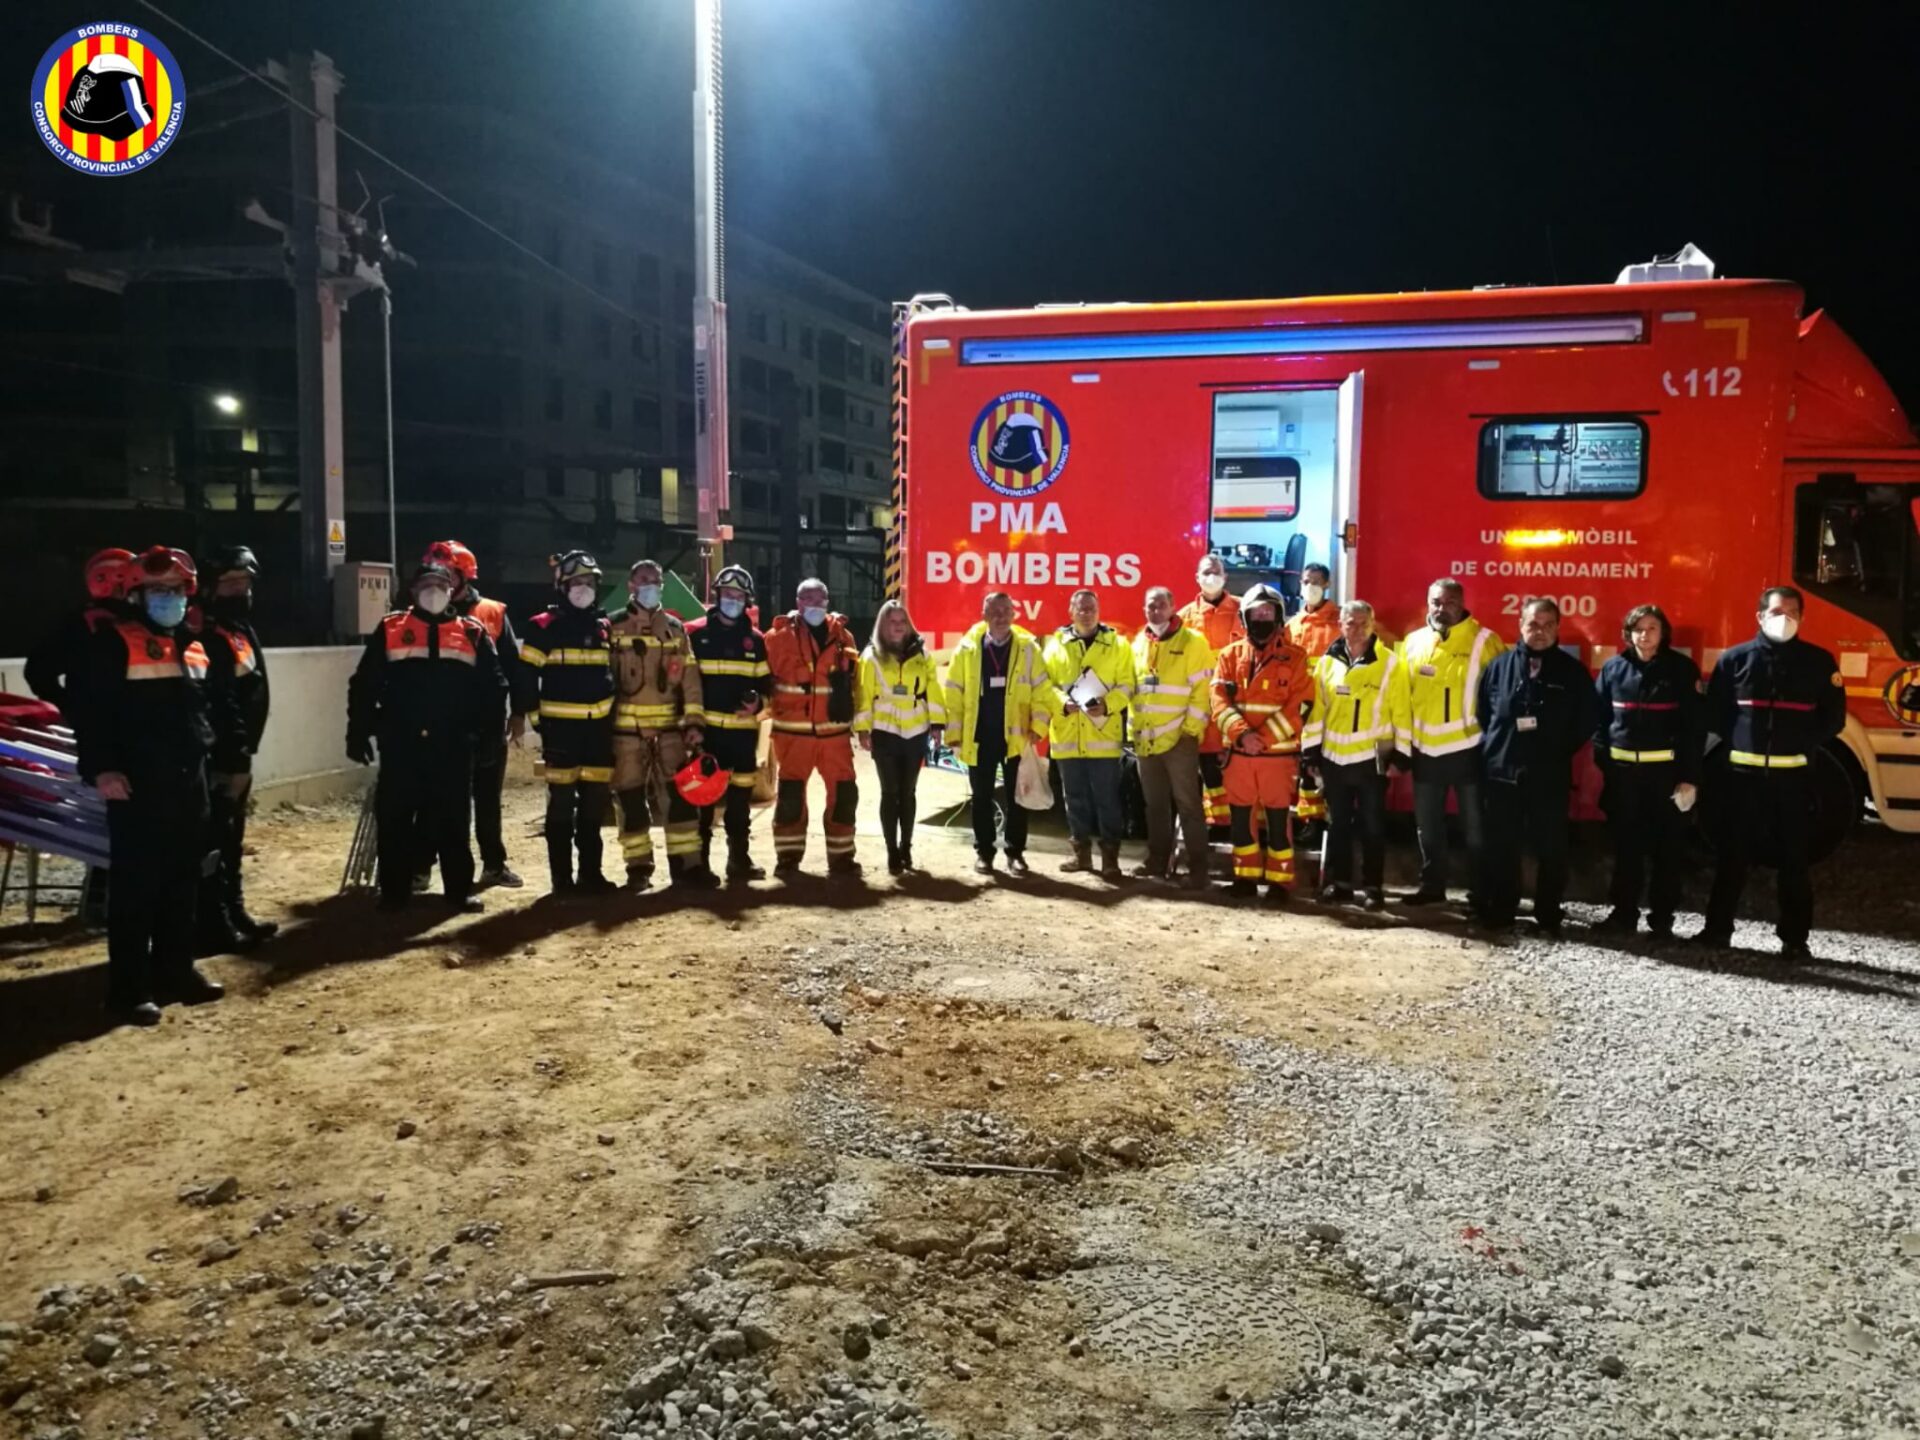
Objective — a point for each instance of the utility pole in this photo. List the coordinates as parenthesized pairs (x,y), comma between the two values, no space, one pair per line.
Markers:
(713,503)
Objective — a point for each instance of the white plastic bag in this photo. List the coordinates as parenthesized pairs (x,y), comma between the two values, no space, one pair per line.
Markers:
(1031,788)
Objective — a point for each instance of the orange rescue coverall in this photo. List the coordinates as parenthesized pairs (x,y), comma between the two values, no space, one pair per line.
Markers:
(813,708)
(1261,696)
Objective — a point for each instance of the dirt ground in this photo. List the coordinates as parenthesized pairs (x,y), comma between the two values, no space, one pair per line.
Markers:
(784,1094)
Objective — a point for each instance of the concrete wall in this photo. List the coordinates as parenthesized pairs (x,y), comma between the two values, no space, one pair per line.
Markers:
(303,756)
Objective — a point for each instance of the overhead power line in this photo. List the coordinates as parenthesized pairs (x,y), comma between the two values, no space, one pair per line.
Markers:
(287,98)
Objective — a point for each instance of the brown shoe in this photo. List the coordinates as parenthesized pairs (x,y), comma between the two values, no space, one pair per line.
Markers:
(1110,864)
(1081,861)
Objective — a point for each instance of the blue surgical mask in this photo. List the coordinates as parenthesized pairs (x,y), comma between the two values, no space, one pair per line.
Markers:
(166,610)
(814,614)
(733,609)
(647,597)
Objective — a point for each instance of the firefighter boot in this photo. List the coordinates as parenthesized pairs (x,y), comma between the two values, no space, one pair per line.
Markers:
(218,934)
(640,877)
(741,869)
(1080,861)
(839,865)
(258,930)
(687,873)
(1110,864)
(187,986)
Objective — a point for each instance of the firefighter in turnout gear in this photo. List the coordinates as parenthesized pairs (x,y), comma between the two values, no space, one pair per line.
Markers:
(428,691)
(815,661)
(657,723)
(731,656)
(1215,616)
(1775,702)
(569,649)
(1348,741)
(1263,690)
(490,759)
(239,663)
(147,720)
(1313,629)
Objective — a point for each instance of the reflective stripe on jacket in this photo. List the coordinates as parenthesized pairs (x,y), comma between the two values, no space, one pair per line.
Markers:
(1436,692)
(1268,691)
(1649,712)
(1218,623)
(655,681)
(1171,694)
(1029,692)
(804,674)
(572,652)
(1068,657)
(732,657)
(1352,704)
(154,655)
(898,696)
(1775,704)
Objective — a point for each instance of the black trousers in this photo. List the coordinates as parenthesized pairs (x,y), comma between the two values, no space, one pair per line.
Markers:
(579,762)
(898,762)
(157,847)
(1764,808)
(227,838)
(993,766)
(738,751)
(1649,839)
(429,783)
(1356,802)
(1529,814)
(489,779)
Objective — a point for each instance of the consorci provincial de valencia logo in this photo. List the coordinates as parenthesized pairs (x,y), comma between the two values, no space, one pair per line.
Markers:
(1019,444)
(108,99)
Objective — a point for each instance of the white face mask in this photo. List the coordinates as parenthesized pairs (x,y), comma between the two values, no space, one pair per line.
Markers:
(1780,628)
(433,600)
(1313,594)
(647,597)
(580,596)
(1211,584)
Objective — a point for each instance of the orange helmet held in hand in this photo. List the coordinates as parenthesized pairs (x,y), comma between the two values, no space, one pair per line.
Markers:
(701,781)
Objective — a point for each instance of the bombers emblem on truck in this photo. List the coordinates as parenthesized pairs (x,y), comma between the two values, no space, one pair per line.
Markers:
(1019,443)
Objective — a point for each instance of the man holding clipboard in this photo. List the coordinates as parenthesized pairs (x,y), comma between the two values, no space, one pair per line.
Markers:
(1092,672)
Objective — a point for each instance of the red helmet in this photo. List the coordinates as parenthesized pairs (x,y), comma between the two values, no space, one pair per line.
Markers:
(454,556)
(701,781)
(162,566)
(107,574)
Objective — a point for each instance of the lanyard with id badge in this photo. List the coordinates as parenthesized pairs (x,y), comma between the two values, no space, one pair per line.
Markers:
(997,664)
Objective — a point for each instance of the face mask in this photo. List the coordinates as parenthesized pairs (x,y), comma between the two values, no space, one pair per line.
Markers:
(433,600)
(1261,631)
(1313,594)
(647,597)
(814,614)
(1160,630)
(232,606)
(1211,585)
(1780,628)
(166,611)
(733,609)
(580,596)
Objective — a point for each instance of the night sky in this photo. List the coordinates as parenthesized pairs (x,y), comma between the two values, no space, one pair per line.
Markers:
(1014,151)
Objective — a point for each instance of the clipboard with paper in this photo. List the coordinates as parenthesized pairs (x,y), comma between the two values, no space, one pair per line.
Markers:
(1087,689)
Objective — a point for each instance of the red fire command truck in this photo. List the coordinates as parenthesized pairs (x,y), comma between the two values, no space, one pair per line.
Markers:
(1671,437)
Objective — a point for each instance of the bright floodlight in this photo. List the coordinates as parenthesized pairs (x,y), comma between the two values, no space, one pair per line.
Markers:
(227,404)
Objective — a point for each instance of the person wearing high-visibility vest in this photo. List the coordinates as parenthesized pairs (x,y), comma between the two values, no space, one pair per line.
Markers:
(1348,741)
(1215,615)
(490,758)
(569,646)
(146,719)
(428,691)
(657,721)
(997,692)
(814,657)
(1774,701)
(1173,670)
(1091,670)
(1647,744)
(1263,691)
(1435,692)
(1313,628)
(899,710)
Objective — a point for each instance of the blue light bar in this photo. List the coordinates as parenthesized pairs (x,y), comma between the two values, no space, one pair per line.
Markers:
(1309,340)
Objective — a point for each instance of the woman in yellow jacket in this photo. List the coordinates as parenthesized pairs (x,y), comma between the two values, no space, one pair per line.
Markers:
(997,695)
(898,705)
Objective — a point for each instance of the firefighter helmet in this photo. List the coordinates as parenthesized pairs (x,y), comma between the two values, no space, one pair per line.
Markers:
(701,781)
(1020,444)
(108,97)
(107,574)
(231,560)
(452,555)
(161,565)
(574,565)
(734,577)
(1263,594)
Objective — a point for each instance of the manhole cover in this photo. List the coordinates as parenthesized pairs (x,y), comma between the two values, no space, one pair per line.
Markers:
(1195,1329)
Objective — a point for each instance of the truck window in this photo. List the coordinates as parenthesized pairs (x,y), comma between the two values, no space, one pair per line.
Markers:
(1563,457)
(1857,546)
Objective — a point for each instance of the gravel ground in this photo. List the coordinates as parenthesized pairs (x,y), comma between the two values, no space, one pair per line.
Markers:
(1689,1211)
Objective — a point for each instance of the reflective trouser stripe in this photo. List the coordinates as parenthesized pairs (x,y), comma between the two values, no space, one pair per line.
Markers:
(1280,867)
(578,775)
(1768,762)
(636,845)
(1218,812)
(683,837)
(1640,757)
(1311,803)
(1246,862)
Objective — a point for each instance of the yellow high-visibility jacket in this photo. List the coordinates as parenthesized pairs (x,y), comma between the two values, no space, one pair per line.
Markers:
(1435,696)
(897,696)
(1171,696)
(1352,704)
(1079,736)
(1028,693)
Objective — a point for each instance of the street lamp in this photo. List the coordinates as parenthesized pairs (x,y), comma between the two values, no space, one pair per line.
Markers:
(227,404)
